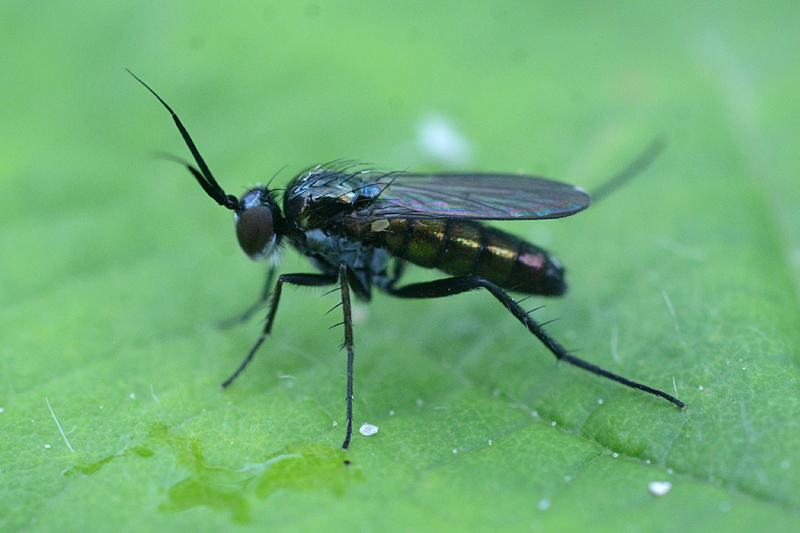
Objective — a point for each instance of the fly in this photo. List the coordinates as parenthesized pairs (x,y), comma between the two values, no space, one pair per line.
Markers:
(360,228)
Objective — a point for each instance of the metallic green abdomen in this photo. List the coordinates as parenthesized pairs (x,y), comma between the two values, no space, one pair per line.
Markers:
(468,248)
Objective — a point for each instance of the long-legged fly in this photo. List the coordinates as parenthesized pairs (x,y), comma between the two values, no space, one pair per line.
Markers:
(360,228)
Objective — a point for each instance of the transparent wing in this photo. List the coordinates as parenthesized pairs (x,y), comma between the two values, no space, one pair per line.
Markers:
(470,196)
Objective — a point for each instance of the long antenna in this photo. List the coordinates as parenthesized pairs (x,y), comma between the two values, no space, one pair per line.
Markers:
(203,176)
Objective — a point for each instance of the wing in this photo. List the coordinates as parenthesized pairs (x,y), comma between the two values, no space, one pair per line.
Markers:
(470,196)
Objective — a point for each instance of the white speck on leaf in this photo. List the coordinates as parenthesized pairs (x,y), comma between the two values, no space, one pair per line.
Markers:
(442,142)
(544,504)
(659,488)
(368,429)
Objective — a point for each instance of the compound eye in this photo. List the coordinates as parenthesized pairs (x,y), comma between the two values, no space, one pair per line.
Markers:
(255,231)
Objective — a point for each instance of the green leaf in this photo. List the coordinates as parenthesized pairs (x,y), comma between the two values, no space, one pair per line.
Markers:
(117,269)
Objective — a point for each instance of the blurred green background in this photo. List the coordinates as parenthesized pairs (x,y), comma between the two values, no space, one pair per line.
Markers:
(116,269)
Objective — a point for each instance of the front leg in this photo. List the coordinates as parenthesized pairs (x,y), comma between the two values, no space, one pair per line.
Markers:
(250,311)
(301,280)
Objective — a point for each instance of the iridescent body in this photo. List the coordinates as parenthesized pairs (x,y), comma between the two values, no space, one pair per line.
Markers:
(360,228)
(365,219)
